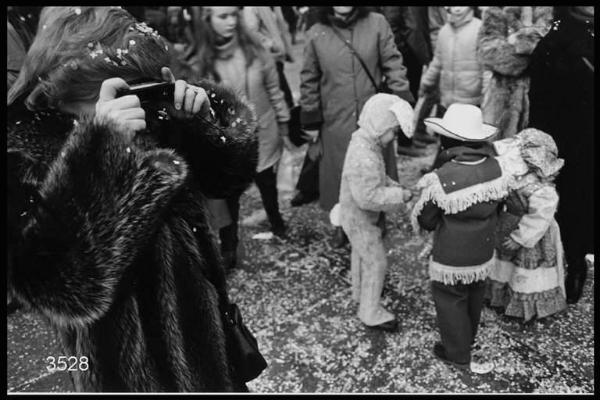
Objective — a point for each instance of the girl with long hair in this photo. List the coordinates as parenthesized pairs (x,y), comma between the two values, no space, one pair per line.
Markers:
(226,52)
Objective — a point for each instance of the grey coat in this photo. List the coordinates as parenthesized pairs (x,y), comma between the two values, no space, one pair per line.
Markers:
(334,87)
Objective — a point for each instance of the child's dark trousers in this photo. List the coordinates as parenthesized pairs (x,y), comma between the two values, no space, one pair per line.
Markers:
(458,309)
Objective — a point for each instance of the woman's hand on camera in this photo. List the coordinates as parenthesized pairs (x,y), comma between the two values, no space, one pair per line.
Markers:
(188,100)
(125,112)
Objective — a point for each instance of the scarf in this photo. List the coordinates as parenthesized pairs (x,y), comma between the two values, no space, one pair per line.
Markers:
(226,47)
(344,22)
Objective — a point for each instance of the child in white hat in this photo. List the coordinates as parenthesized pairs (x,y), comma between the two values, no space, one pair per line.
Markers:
(459,202)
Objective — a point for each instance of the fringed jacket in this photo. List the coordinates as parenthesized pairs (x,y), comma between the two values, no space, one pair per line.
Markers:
(459,202)
(108,239)
(504,47)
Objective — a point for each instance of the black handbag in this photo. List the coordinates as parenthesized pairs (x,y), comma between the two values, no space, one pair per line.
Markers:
(381,88)
(295,128)
(246,357)
(242,346)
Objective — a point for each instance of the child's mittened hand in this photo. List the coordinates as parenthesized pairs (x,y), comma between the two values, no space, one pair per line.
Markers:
(510,244)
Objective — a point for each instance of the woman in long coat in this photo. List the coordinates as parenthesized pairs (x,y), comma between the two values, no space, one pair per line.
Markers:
(107,232)
(562,104)
(334,86)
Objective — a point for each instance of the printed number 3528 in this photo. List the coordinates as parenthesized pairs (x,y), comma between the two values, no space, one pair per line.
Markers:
(64,363)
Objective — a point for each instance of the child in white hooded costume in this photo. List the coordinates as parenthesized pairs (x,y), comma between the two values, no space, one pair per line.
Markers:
(366,191)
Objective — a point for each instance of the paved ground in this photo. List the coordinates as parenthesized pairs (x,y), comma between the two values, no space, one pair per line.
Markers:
(295,296)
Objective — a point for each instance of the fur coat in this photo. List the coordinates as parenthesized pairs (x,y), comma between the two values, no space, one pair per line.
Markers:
(109,240)
(504,47)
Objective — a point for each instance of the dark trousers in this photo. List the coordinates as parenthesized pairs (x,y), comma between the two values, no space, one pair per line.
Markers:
(267,186)
(266,181)
(308,180)
(283,84)
(414,68)
(458,309)
(229,234)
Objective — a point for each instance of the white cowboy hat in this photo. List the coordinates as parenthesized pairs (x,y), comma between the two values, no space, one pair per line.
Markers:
(462,122)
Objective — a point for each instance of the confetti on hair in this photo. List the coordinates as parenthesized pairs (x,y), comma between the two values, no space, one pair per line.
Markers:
(78,11)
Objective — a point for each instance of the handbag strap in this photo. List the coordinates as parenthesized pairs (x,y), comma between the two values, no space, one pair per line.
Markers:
(355,53)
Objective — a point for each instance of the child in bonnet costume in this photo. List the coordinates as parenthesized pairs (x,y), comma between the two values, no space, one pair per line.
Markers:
(365,192)
(459,202)
(528,280)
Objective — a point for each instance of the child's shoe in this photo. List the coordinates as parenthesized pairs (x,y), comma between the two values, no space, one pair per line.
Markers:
(475,366)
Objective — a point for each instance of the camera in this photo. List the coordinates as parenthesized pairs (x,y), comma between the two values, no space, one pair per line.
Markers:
(150,92)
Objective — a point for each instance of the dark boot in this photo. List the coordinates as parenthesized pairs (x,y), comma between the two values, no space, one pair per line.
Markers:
(230,260)
(339,238)
(279,230)
(267,186)
(574,285)
(13,306)
(302,198)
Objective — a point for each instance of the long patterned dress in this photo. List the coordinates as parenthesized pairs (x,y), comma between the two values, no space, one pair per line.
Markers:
(529,282)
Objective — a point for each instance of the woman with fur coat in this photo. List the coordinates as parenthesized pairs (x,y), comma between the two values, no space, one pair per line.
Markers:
(507,38)
(107,233)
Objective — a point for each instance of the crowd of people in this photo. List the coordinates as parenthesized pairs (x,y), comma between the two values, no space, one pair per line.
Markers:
(123,214)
